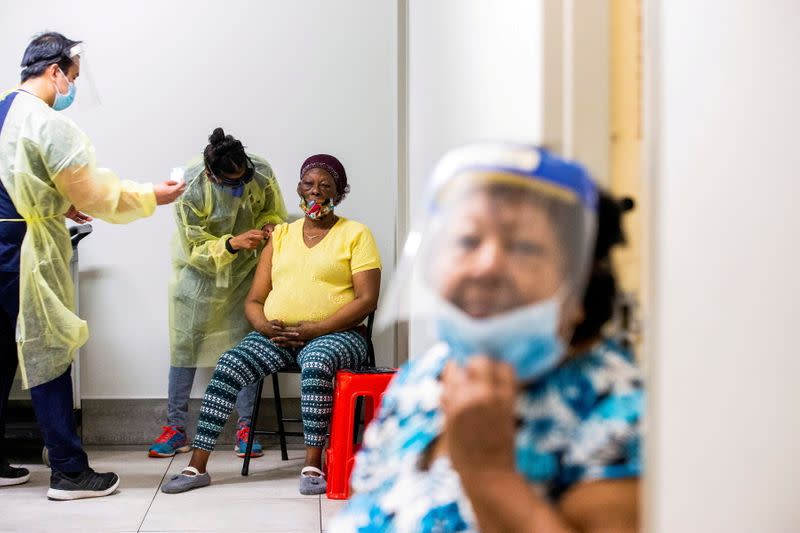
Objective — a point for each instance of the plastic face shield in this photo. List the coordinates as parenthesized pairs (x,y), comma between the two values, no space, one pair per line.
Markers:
(504,226)
(86,94)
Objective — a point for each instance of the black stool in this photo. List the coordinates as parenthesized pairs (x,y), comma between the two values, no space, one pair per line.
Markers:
(281,431)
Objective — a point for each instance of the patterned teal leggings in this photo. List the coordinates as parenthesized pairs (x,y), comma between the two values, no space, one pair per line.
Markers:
(256,357)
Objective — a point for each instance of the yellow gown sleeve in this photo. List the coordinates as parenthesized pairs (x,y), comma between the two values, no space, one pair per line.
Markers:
(206,252)
(70,160)
(274,210)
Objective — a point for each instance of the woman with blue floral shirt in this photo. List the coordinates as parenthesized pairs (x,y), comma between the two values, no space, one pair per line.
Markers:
(522,417)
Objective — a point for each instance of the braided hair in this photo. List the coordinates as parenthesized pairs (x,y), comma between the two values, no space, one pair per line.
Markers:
(224,154)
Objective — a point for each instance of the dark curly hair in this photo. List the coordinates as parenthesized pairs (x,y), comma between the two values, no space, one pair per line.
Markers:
(224,153)
(601,289)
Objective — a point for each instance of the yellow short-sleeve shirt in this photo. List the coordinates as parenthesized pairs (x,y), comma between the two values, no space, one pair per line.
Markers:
(311,284)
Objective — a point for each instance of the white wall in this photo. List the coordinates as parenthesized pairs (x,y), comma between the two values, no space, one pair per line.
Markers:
(723,345)
(475,72)
(288,78)
(590,92)
(575,112)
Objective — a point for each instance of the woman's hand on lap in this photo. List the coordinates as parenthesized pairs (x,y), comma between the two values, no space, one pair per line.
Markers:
(275,330)
(305,331)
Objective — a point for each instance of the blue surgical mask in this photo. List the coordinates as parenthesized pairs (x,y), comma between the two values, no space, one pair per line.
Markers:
(525,338)
(63,101)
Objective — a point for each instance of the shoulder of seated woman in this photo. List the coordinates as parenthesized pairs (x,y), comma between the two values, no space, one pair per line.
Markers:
(352,225)
(280,230)
(284,226)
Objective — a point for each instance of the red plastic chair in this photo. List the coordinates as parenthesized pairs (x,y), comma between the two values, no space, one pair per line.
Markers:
(348,388)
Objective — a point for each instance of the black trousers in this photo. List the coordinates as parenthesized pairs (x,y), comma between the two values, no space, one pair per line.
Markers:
(52,401)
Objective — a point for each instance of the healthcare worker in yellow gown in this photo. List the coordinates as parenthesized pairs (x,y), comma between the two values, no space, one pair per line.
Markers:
(232,202)
(48,170)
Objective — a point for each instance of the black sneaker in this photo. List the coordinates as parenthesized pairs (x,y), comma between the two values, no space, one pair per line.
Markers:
(88,484)
(12,476)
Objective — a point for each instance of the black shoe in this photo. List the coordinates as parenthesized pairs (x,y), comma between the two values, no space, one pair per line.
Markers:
(87,484)
(12,476)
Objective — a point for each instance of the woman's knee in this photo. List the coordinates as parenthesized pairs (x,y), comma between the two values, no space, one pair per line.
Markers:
(233,366)
(228,360)
(317,366)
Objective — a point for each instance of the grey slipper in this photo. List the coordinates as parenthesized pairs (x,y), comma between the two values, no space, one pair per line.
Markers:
(183,482)
(311,485)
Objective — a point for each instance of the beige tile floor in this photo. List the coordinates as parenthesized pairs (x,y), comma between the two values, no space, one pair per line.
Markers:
(267,500)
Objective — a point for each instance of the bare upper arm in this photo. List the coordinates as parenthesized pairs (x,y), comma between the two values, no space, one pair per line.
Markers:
(262,279)
(602,506)
(367,285)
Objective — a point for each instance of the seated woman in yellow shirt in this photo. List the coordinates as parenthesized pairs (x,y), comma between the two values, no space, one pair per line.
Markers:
(318,279)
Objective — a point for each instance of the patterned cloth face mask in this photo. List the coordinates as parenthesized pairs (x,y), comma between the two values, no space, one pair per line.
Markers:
(314,210)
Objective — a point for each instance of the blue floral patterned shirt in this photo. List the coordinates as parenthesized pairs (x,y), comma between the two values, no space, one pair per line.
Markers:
(582,421)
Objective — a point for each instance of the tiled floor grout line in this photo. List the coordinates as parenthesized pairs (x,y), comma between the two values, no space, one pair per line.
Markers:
(158,487)
(274,484)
